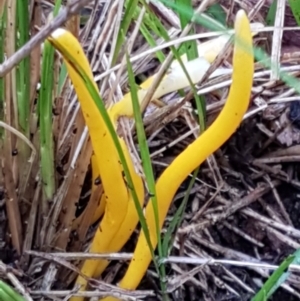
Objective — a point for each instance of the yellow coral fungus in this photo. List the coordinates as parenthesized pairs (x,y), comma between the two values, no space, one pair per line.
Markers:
(207,52)
(120,216)
(174,80)
(109,165)
(224,126)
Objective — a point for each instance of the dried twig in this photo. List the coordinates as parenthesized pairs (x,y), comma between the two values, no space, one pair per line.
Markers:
(66,12)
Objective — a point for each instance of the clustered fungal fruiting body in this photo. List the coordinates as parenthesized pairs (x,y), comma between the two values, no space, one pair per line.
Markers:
(120,216)
(107,158)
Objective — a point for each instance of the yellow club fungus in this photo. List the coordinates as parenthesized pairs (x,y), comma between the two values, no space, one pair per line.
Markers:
(224,126)
(109,165)
(120,218)
(174,80)
(207,52)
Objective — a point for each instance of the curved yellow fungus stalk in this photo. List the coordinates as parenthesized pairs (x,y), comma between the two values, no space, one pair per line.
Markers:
(175,79)
(224,126)
(207,52)
(111,172)
(95,174)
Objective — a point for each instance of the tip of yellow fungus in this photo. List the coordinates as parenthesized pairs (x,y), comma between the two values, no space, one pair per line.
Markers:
(58,33)
(240,13)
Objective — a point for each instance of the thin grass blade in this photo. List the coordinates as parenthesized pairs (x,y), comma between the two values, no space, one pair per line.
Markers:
(217,12)
(295,7)
(145,156)
(7,293)
(45,116)
(270,19)
(276,279)
(2,43)
(130,7)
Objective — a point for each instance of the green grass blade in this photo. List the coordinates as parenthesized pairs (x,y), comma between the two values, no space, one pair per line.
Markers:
(164,34)
(57,7)
(2,44)
(23,70)
(201,109)
(192,53)
(149,18)
(201,19)
(217,12)
(132,12)
(191,46)
(276,279)
(130,7)
(63,73)
(4,296)
(23,73)
(45,118)
(295,7)
(7,293)
(149,21)
(285,275)
(148,36)
(270,19)
(145,156)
